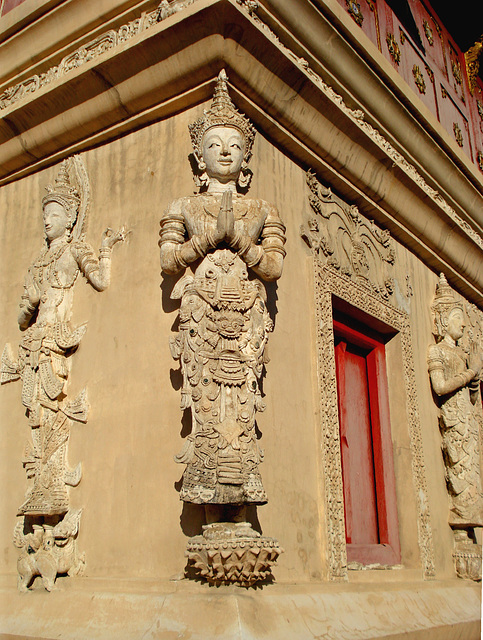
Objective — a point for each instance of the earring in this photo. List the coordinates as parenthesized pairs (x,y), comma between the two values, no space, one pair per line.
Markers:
(202,165)
(245,176)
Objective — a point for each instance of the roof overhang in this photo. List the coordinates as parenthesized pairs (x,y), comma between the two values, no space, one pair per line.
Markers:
(297,76)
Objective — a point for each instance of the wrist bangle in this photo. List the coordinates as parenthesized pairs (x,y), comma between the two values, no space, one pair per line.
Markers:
(253,256)
(244,244)
(199,245)
(182,264)
(105,252)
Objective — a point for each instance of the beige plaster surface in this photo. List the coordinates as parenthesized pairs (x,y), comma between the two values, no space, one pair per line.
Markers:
(163,610)
(133,524)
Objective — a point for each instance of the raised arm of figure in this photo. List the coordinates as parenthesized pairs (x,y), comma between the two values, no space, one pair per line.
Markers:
(98,271)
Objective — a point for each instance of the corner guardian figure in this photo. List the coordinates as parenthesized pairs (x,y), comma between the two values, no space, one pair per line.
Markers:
(232,243)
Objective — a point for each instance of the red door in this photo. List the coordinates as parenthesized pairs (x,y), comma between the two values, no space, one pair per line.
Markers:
(372,533)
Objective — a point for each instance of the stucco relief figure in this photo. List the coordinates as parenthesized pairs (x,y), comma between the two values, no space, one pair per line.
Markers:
(48,342)
(233,243)
(455,380)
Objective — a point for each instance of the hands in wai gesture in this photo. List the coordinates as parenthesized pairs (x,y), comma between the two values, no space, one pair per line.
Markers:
(225,225)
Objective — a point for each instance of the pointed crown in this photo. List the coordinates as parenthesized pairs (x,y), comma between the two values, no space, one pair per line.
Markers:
(64,193)
(222,113)
(444,302)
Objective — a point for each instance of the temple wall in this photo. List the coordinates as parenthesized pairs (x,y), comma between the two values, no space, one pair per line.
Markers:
(126,112)
(133,524)
(134,423)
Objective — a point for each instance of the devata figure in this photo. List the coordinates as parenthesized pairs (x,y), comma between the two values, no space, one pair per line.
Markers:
(43,365)
(233,243)
(455,379)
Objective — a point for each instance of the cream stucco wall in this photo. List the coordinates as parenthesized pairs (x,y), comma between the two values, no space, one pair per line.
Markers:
(134,528)
(133,524)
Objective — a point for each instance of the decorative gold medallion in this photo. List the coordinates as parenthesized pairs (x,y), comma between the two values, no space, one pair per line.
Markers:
(354,8)
(393,47)
(457,134)
(419,79)
(429,32)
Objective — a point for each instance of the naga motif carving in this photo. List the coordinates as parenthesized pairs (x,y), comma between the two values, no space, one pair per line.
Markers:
(233,243)
(455,379)
(46,532)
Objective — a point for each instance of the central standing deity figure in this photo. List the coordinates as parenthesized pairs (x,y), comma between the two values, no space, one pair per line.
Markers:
(233,243)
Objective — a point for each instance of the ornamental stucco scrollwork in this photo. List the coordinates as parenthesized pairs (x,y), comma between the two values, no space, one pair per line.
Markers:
(234,244)
(332,280)
(350,244)
(47,530)
(93,49)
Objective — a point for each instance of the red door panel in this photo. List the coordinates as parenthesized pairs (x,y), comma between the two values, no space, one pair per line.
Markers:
(356,446)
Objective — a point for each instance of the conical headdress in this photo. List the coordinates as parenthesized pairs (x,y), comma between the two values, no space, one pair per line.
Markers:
(444,302)
(64,193)
(222,113)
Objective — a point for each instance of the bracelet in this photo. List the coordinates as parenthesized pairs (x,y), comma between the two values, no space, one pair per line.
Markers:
(243,242)
(182,264)
(254,255)
(105,252)
(199,245)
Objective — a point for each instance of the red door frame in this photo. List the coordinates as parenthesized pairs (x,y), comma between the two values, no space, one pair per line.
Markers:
(388,551)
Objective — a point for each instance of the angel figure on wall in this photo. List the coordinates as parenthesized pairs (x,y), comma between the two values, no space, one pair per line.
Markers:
(455,379)
(232,243)
(44,354)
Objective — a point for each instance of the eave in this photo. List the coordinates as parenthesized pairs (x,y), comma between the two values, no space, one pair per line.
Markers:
(303,84)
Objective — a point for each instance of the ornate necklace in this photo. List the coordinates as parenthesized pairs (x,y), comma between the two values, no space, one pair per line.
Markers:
(47,271)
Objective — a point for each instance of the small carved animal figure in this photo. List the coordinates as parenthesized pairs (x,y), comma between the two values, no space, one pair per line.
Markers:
(49,551)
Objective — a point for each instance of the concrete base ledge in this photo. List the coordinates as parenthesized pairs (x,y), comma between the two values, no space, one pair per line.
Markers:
(83,608)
